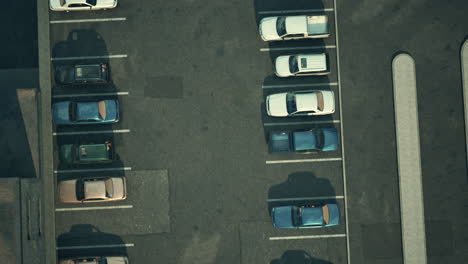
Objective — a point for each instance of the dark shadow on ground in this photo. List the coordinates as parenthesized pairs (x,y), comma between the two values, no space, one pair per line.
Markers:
(298,257)
(89,235)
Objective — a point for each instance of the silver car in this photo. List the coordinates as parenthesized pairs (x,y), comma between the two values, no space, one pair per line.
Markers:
(81,5)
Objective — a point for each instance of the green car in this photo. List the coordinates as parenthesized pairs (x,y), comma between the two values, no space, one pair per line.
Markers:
(71,154)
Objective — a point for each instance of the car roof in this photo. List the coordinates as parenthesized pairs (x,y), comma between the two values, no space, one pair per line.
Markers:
(95,189)
(93,152)
(88,110)
(312,216)
(304,140)
(306,102)
(312,62)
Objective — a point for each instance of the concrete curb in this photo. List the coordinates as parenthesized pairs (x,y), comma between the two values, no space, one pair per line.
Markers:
(45,133)
(413,230)
(464,69)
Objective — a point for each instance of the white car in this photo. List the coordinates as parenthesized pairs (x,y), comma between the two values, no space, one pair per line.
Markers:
(302,65)
(303,103)
(81,5)
(293,27)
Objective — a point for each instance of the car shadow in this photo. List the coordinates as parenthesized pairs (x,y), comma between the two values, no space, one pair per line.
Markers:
(78,240)
(298,188)
(298,257)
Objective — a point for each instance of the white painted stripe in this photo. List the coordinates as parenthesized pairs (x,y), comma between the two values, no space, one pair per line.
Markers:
(306,198)
(89,95)
(301,160)
(409,160)
(295,11)
(97,246)
(299,48)
(464,66)
(303,123)
(93,208)
(93,170)
(279,86)
(88,20)
(343,160)
(91,132)
(307,237)
(116,56)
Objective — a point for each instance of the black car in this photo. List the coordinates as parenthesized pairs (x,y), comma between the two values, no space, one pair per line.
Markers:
(82,73)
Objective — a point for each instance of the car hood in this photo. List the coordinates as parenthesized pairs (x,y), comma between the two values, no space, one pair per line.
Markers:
(328,102)
(282,66)
(331,141)
(276,105)
(282,217)
(334,212)
(267,29)
(67,191)
(61,113)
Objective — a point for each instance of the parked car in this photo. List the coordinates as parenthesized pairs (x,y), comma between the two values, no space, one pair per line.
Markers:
(308,141)
(302,65)
(293,27)
(300,103)
(310,216)
(82,73)
(90,190)
(81,5)
(88,112)
(71,154)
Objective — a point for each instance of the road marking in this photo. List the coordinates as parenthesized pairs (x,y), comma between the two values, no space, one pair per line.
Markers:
(299,48)
(91,132)
(307,237)
(97,246)
(464,66)
(88,20)
(300,160)
(89,94)
(93,170)
(405,102)
(343,167)
(116,56)
(93,208)
(306,198)
(278,86)
(295,11)
(302,123)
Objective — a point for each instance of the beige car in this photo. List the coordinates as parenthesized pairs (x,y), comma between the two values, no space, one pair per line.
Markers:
(95,260)
(90,190)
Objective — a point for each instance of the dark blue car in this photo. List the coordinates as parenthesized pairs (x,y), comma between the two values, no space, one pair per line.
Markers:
(311,216)
(81,113)
(314,140)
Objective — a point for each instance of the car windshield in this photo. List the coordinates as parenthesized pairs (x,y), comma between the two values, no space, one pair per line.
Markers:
(291,103)
(319,138)
(293,67)
(281,26)
(91,2)
(72,111)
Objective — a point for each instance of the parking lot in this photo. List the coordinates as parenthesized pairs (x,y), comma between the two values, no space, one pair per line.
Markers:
(191,79)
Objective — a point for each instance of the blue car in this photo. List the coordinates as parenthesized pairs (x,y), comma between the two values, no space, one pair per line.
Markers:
(81,113)
(310,216)
(314,140)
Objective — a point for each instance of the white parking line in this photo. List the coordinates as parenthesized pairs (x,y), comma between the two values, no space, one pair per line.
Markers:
(97,246)
(295,11)
(91,132)
(279,86)
(116,56)
(93,208)
(88,20)
(299,48)
(343,167)
(306,198)
(89,95)
(307,237)
(302,123)
(93,170)
(300,160)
